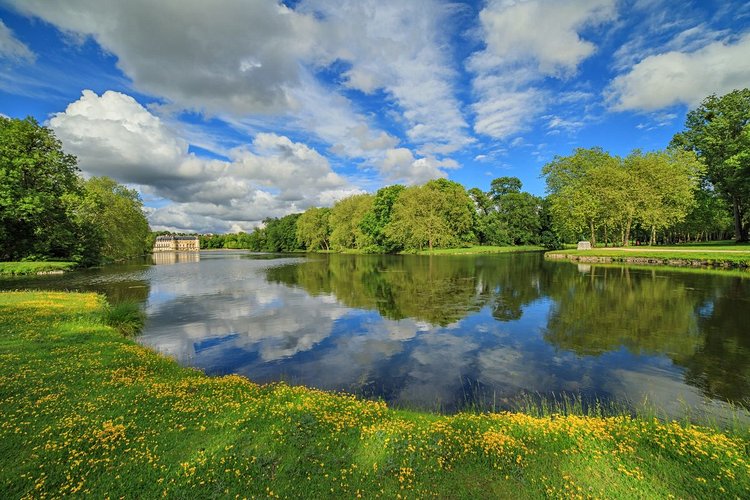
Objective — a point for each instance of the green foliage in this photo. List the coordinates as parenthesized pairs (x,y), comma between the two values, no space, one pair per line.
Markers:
(115,216)
(35,174)
(591,190)
(346,222)
(313,229)
(48,212)
(280,235)
(375,221)
(719,133)
(437,214)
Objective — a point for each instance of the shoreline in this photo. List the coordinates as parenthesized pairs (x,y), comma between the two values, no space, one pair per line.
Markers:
(735,260)
(86,410)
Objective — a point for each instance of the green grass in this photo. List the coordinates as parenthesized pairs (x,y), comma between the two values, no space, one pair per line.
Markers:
(477,249)
(21,268)
(728,256)
(85,410)
(126,317)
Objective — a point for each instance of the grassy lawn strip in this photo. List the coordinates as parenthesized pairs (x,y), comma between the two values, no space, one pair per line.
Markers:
(738,257)
(19,268)
(481,250)
(84,410)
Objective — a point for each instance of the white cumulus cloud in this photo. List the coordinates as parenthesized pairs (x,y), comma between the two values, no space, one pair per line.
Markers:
(114,135)
(683,77)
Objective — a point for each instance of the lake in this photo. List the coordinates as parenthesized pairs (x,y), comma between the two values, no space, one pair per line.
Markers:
(445,332)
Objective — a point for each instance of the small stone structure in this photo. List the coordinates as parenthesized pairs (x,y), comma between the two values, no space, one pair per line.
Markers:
(171,243)
(584,245)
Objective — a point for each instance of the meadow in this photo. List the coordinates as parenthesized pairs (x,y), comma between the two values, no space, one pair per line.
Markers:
(86,410)
(24,268)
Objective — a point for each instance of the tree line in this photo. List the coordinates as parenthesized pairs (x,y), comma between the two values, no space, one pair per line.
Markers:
(49,212)
(696,189)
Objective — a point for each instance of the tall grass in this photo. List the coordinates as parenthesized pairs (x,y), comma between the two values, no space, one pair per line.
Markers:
(126,317)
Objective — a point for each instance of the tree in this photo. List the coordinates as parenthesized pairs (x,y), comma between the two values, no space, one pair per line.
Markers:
(718,131)
(577,186)
(313,229)
(35,175)
(118,217)
(438,213)
(346,220)
(375,221)
(503,186)
(281,234)
(667,183)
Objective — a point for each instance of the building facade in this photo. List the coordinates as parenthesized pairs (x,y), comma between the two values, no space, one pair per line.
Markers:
(171,243)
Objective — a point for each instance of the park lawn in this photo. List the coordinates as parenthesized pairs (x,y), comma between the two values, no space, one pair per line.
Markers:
(84,410)
(712,255)
(21,268)
(477,249)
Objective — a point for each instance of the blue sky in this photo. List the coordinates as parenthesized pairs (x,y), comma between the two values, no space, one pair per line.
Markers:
(223,113)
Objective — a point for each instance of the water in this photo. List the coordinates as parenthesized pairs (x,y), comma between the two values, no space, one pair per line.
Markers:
(443,333)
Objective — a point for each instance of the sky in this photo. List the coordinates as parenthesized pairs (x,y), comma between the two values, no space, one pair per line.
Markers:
(222,113)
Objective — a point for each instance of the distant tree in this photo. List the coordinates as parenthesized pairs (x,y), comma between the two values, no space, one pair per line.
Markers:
(719,133)
(35,175)
(346,220)
(375,221)
(281,234)
(313,229)
(519,213)
(437,214)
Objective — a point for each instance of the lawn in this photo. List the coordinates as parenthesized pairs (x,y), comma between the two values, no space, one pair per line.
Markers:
(85,410)
(710,255)
(20,268)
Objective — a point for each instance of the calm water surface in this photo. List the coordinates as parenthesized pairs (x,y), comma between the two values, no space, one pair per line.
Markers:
(445,332)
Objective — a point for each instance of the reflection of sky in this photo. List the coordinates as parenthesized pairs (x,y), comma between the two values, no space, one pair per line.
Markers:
(223,316)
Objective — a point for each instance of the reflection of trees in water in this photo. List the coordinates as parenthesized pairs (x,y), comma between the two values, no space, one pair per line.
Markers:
(699,320)
(438,290)
(721,365)
(609,308)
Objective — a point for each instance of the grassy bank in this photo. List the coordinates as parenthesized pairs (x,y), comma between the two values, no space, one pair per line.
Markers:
(21,268)
(85,410)
(719,256)
(475,250)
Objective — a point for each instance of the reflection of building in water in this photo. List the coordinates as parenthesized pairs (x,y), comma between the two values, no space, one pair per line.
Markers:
(164,257)
(171,243)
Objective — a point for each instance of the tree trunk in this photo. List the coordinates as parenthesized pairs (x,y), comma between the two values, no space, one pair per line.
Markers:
(606,238)
(626,239)
(653,236)
(593,234)
(739,232)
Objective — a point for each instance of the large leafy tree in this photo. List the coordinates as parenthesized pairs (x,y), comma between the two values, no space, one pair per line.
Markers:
(719,132)
(577,188)
(345,221)
(281,234)
(35,175)
(313,229)
(376,219)
(119,223)
(437,214)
